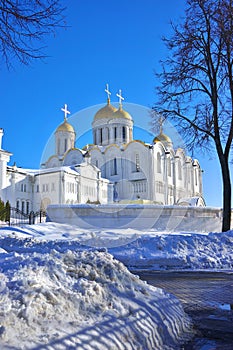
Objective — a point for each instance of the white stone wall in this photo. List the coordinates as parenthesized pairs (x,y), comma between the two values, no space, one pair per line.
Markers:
(162,218)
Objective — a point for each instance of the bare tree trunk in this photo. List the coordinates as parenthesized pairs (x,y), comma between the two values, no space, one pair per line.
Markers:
(226,223)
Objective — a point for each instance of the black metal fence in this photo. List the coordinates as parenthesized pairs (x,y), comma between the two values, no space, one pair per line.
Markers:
(15,217)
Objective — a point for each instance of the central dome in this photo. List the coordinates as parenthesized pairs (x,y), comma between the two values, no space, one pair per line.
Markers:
(121,113)
(105,112)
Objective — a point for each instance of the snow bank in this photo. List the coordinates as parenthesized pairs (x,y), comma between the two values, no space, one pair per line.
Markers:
(180,251)
(135,248)
(60,290)
(80,299)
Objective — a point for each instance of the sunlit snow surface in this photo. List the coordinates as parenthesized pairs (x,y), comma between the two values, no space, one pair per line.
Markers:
(61,287)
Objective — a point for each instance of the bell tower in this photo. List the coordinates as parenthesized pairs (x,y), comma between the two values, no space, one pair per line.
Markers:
(64,135)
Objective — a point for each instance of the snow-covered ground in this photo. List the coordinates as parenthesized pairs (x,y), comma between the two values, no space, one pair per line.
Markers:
(66,288)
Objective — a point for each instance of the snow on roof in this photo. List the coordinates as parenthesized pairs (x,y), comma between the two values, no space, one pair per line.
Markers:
(68,169)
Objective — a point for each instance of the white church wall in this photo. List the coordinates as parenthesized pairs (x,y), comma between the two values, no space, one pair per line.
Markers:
(88,190)
(53,162)
(47,189)
(71,189)
(4,159)
(105,191)
(98,160)
(19,191)
(137,171)
(159,168)
(72,157)
(113,163)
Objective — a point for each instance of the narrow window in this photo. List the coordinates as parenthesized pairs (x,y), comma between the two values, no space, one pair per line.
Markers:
(107,134)
(24,188)
(65,147)
(27,208)
(58,146)
(195,174)
(17,204)
(114,167)
(137,162)
(179,170)
(101,136)
(95,138)
(124,134)
(23,206)
(115,134)
(158,162)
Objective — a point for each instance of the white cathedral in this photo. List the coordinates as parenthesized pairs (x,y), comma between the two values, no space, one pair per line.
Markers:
(115,168)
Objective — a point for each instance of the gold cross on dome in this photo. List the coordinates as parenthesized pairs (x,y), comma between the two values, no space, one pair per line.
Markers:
(65,110)
(121,98)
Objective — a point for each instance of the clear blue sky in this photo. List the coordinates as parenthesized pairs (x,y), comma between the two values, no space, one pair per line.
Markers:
(115,42)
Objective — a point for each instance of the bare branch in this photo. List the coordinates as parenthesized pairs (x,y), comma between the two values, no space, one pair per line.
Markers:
(24,24)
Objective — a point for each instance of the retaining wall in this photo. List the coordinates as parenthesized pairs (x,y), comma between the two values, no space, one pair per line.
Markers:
(142,217)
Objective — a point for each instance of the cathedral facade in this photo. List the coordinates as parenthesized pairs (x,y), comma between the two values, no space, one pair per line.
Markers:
(114,168)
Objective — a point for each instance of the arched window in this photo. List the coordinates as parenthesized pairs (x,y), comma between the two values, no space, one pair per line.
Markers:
(94,137)
(114,167)
(195,174)
(58,146)
(107,135)
(27,207)
(159,167)
(115,134)
(101,136)
(65,146)
(124,133)
(137,162)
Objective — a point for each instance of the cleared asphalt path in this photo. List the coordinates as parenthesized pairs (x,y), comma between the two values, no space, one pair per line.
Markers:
(207,297)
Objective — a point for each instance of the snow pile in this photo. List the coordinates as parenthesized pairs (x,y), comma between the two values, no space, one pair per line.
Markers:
(136,249)
(60,290)
(180,251)
(80,300)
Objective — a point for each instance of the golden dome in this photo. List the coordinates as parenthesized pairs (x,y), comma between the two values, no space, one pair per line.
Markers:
(105,112)
(162,138)
(65,126)
(121,113)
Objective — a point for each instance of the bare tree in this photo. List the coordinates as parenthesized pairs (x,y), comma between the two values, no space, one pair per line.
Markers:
(196,83)
(24,23)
